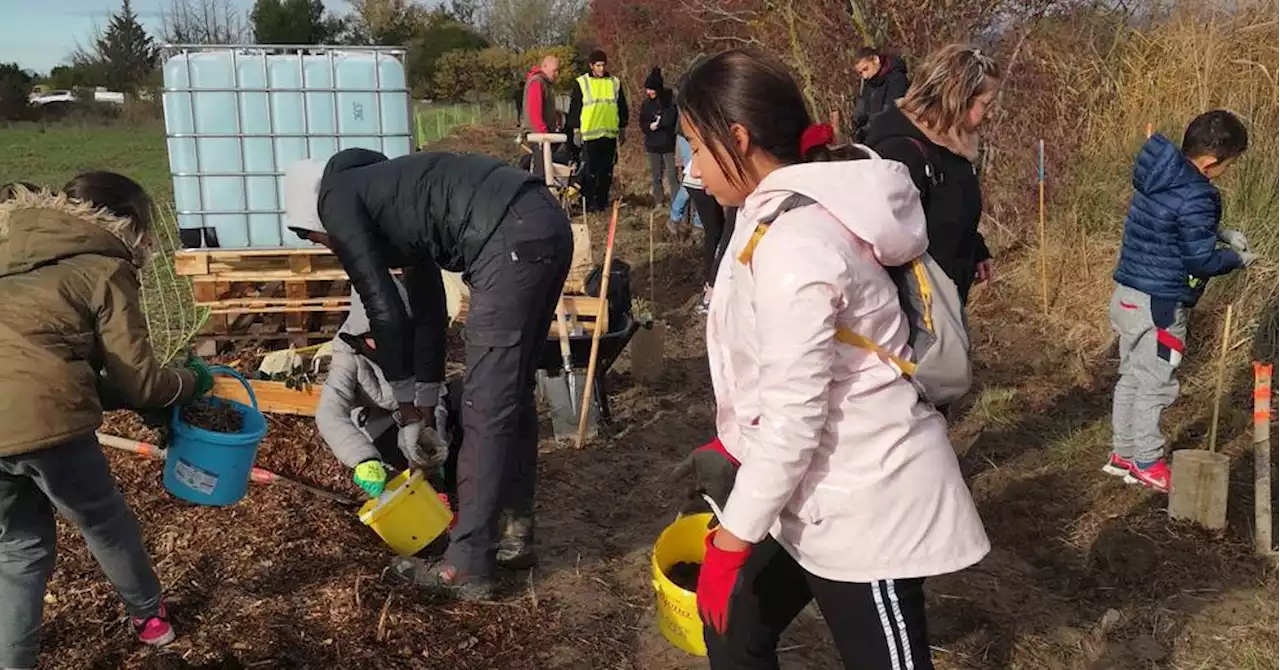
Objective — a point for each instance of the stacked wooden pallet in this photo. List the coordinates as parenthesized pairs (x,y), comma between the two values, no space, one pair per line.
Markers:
(301,296)
(297,295)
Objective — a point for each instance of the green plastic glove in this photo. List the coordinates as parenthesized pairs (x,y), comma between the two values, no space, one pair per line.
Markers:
(371,477)
(204,378)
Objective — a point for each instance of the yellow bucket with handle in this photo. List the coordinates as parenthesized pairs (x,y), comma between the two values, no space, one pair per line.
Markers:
(684,541)
(408,515)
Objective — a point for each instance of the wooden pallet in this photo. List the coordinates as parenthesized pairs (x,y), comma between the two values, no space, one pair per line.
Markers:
(299,295)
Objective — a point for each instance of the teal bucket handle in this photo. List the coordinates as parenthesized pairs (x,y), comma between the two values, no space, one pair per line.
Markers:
(231,372)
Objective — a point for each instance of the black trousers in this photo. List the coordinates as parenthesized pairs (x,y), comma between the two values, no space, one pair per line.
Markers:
(515,283)
(876,626)
(714,231)
(598,157)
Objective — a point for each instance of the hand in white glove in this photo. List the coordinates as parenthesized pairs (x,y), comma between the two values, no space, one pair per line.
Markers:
(1247,258)
(408,439)
(1236,240)
(653,126)
(436,451)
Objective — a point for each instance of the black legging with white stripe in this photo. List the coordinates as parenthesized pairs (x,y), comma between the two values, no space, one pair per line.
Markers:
(876,626)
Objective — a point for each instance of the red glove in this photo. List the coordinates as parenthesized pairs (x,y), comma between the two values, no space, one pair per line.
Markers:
(717,447)
(717,583)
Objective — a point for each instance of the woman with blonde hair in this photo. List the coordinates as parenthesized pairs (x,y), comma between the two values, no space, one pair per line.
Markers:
(934,131)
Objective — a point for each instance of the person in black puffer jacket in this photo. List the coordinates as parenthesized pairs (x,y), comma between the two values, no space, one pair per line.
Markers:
(505,232)
(934,131)
(884,80)
(658,119)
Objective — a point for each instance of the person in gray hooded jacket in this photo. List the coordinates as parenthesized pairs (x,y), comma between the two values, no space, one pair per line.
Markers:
(356,403)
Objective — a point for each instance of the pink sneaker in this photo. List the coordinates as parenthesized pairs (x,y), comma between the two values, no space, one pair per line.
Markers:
(1117,466)
(1154,476)
(154,631)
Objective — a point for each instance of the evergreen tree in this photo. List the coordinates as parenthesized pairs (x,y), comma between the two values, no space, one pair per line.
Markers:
(127,53)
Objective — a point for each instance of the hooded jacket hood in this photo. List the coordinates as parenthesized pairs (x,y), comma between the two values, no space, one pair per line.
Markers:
(1161,166)
(874,199)
(888,64)
(39,228)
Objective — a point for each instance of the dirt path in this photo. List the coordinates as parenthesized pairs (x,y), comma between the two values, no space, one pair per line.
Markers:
(1085,572)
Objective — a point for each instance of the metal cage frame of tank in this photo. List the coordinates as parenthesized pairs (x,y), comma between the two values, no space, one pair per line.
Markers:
(246,51)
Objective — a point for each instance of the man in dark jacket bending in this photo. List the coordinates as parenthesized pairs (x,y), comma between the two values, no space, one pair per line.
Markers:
(504,231)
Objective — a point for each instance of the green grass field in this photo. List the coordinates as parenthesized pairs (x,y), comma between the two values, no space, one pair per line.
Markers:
(51,156)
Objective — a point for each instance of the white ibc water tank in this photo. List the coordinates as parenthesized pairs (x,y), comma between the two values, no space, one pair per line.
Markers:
(237,117)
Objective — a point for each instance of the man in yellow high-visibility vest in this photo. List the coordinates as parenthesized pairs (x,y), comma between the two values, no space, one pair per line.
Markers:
(598,121)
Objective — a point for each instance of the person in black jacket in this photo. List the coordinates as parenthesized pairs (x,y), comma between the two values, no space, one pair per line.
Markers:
(934,131)
(658,122)
(884,80)
(505,232)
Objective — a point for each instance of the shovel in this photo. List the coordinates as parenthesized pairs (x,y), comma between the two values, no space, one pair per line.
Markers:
(566,357)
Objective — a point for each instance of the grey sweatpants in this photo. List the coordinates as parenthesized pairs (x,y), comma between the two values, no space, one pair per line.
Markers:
(662,166)
(75,478)
(1151,346)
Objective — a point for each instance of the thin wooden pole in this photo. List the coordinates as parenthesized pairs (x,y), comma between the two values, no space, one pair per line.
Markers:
(1044,244)
(652,277)
(602,311)
(1222,375)
(1262,457)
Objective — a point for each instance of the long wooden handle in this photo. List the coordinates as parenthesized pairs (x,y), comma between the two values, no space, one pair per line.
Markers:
(1222,374)
(563,321)
(257,474)
(595,335)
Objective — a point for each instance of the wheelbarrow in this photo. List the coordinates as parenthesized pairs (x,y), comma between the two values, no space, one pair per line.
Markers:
(612,344)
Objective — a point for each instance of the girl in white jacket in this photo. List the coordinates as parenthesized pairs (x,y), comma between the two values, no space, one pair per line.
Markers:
(848,491)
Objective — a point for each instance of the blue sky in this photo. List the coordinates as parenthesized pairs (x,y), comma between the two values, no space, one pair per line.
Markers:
(38,34)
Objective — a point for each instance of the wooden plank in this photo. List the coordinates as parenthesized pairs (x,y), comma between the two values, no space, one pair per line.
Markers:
(268,274)
(204,292)
(256,306)
(580,310)
(246,252)
(273,397)
(583,259)
(295,321)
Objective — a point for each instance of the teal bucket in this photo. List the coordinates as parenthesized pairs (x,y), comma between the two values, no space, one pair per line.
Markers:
(211,468)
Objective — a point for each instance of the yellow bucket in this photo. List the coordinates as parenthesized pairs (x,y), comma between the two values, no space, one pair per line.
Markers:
(408,515)
(682,541)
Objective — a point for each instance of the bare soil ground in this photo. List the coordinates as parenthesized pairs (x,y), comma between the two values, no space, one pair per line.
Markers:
(1085,572)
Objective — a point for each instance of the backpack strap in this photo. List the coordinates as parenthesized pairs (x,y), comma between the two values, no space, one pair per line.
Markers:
(931,174)
(850,337)
(843,334)
(793,201)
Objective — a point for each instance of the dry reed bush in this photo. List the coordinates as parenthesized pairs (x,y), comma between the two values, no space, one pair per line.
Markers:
(1164,70)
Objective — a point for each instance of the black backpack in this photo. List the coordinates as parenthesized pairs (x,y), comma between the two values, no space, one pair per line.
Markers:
(619,299)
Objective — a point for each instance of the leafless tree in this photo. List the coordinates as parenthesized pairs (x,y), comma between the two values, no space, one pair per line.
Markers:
(203,22)
(527,24)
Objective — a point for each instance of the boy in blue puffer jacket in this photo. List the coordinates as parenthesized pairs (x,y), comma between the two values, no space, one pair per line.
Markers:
(1169,251)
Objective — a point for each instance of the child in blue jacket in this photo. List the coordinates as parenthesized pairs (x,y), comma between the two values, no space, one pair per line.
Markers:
(1169,251)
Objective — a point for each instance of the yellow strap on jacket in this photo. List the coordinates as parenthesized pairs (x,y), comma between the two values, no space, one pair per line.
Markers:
(599,107)
(843,334)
